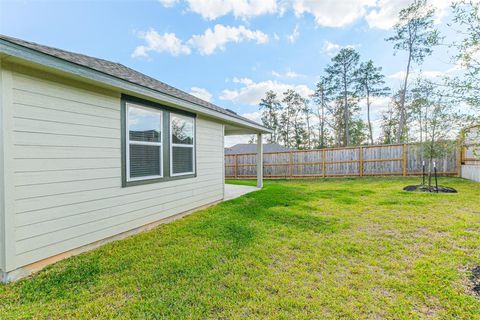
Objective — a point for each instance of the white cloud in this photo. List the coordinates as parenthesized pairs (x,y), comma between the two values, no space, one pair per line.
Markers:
(333,13)
(201,93)
(167,42)
(292,38)
(216,39)
(381,14)
(330,48)
(252,92)
(385,14)
(207,43)
(213,9)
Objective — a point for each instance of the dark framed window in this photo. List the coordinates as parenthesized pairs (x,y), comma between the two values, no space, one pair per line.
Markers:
(158,143)
(182,146)
(144,146)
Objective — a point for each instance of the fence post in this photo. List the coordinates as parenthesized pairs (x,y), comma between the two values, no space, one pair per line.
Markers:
(324,155)
(291,164)
(360,158)
(236,166)
(404,160)
(459,159)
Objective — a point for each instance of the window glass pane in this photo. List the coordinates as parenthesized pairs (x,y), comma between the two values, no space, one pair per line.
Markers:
(144,160)
(182,159)
(182,129)
(144,124)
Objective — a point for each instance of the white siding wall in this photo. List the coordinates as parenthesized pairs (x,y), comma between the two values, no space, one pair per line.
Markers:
(471,172)
(2,199)
(67,175)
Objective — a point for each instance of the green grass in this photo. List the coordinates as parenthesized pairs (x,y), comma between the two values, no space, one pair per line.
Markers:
(335,248)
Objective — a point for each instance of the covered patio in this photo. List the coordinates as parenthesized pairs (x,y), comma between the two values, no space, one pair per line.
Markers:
(234,191)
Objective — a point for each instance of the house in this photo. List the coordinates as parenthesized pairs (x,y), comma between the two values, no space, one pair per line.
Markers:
(91,151)
(242,148)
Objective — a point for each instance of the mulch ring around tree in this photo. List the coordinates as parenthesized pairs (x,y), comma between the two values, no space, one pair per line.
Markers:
(475,278)
(425,188)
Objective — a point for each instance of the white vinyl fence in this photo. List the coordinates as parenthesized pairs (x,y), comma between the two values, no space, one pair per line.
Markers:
(471,154)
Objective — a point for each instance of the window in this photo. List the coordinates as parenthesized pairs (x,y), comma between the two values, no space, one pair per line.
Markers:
(144,149)
(182,147)
(158,142)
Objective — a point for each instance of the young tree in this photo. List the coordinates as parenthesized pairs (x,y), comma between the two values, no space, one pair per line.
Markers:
(370,84)
(270,107)
(321,98)
(415,34)
(439,120)
(341,76)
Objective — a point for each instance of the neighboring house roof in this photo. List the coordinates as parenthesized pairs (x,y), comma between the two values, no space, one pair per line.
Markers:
(124,73)
(252,148)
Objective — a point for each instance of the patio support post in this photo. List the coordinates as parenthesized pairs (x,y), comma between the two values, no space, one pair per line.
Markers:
(259,161)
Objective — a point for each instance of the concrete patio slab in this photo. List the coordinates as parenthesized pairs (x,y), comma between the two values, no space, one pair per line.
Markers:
(233,191)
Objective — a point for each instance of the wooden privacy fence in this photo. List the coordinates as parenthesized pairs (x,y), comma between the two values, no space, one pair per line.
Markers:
(380,160)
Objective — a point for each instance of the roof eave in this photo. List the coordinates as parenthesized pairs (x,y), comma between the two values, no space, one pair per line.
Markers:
(11,49)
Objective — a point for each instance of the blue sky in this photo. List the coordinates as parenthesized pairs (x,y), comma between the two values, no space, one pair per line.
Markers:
(227,51)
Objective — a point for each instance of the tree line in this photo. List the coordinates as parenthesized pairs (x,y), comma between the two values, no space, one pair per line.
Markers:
(420,110)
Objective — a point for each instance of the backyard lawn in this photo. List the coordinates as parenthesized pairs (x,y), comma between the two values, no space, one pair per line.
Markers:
(335,248)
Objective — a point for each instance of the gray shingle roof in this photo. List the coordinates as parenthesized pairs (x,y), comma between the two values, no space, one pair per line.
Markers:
(252,148)
(122,72)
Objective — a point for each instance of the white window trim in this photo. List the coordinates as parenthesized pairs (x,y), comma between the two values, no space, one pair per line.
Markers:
(182,145)
(128,143)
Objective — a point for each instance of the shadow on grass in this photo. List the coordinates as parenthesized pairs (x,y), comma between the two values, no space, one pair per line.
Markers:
(188,249)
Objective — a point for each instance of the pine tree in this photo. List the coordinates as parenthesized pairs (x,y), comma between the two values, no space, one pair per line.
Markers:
(270,107)
(341,76)
(321,98)
(370,84)
(338,125)
(415,34)
(293,118)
